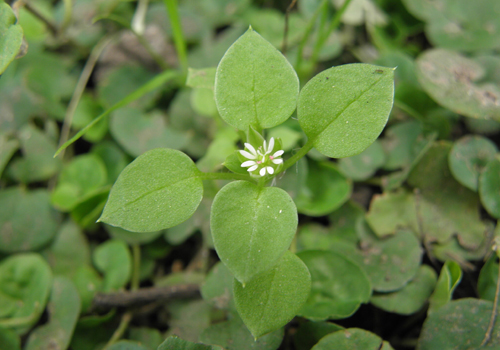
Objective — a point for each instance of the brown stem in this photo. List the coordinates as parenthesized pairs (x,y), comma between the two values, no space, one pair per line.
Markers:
(144,296)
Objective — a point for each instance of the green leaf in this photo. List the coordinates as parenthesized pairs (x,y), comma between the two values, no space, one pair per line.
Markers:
(11,36)
(339,286)
(391,211)
(20,230)
(68,251)
(114,260)
(158,190)
(7,149)
(399,144)
(362,166)
(272,298)
(468,158)
(459,25)
(79,180)
(64,309)
(343,109)
(411,297)
(352,338)
(10,339)
(255,85)
(449,278)
(450,79)
(218,287)
(149,86)
(326,189)
(444,207)
(138,132)
(201,78)
(252,227)
(132,237)
(175,343)
(149,337)
(233,335)
(488,279)
(37,163)
(461,324)
(25,282)
(310,333)
(88,282)
(114,158)
(188,319)
(489,187)
(390,262)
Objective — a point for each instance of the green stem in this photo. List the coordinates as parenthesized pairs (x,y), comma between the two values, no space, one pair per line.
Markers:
(333,26)
(136,267)
(175,22)
(68,14)
(122,327)
(301,153)
(307,34)
(224,176)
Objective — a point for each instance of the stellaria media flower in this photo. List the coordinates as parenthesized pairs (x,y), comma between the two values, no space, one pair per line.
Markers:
(262,160)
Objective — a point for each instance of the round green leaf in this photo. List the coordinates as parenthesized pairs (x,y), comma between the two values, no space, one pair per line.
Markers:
(113,259)
(399,144)
(79,180)
(450,79)
(352,338)
(411,297)
(339,286)
(20,229)
(158,190)
(233,335)
(271,299)
(362,166)
(310,333)
(127,345)
(138,132)
(460,324)
(64,309)
(218,287)
(25,282)
(489,187)
(252,227)
(38,162)
(343,109)
(11,36)
(468,157)
(132,237)
(255,85)
(149,337)
(326,189)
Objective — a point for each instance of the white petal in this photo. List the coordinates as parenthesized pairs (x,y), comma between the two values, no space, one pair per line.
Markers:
(248,163)
(278,153)
(277,161)
(271,145)
(252,168)
(251,149)
(262,172)
(248,155)
(270,170)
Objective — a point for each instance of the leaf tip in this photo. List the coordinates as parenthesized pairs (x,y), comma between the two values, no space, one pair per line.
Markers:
(250,29)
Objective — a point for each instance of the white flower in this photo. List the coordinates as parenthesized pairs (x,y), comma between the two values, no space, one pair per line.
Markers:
(261,160)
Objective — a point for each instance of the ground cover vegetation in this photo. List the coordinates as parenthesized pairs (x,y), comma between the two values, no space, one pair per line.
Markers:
(238,174)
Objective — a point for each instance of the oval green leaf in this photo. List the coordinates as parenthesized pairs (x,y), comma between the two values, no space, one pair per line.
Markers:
(252,227)
(339,286)
(158,190)
(255,85)
(64,309)
(468,157)
(271,299)
(460,324)
(362,166)
(20,230)
(343,109)
(449,277)
(325,190)
(176,343)
(489,187)
(114,260)
(25,282)
(352,338)
(11,36)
